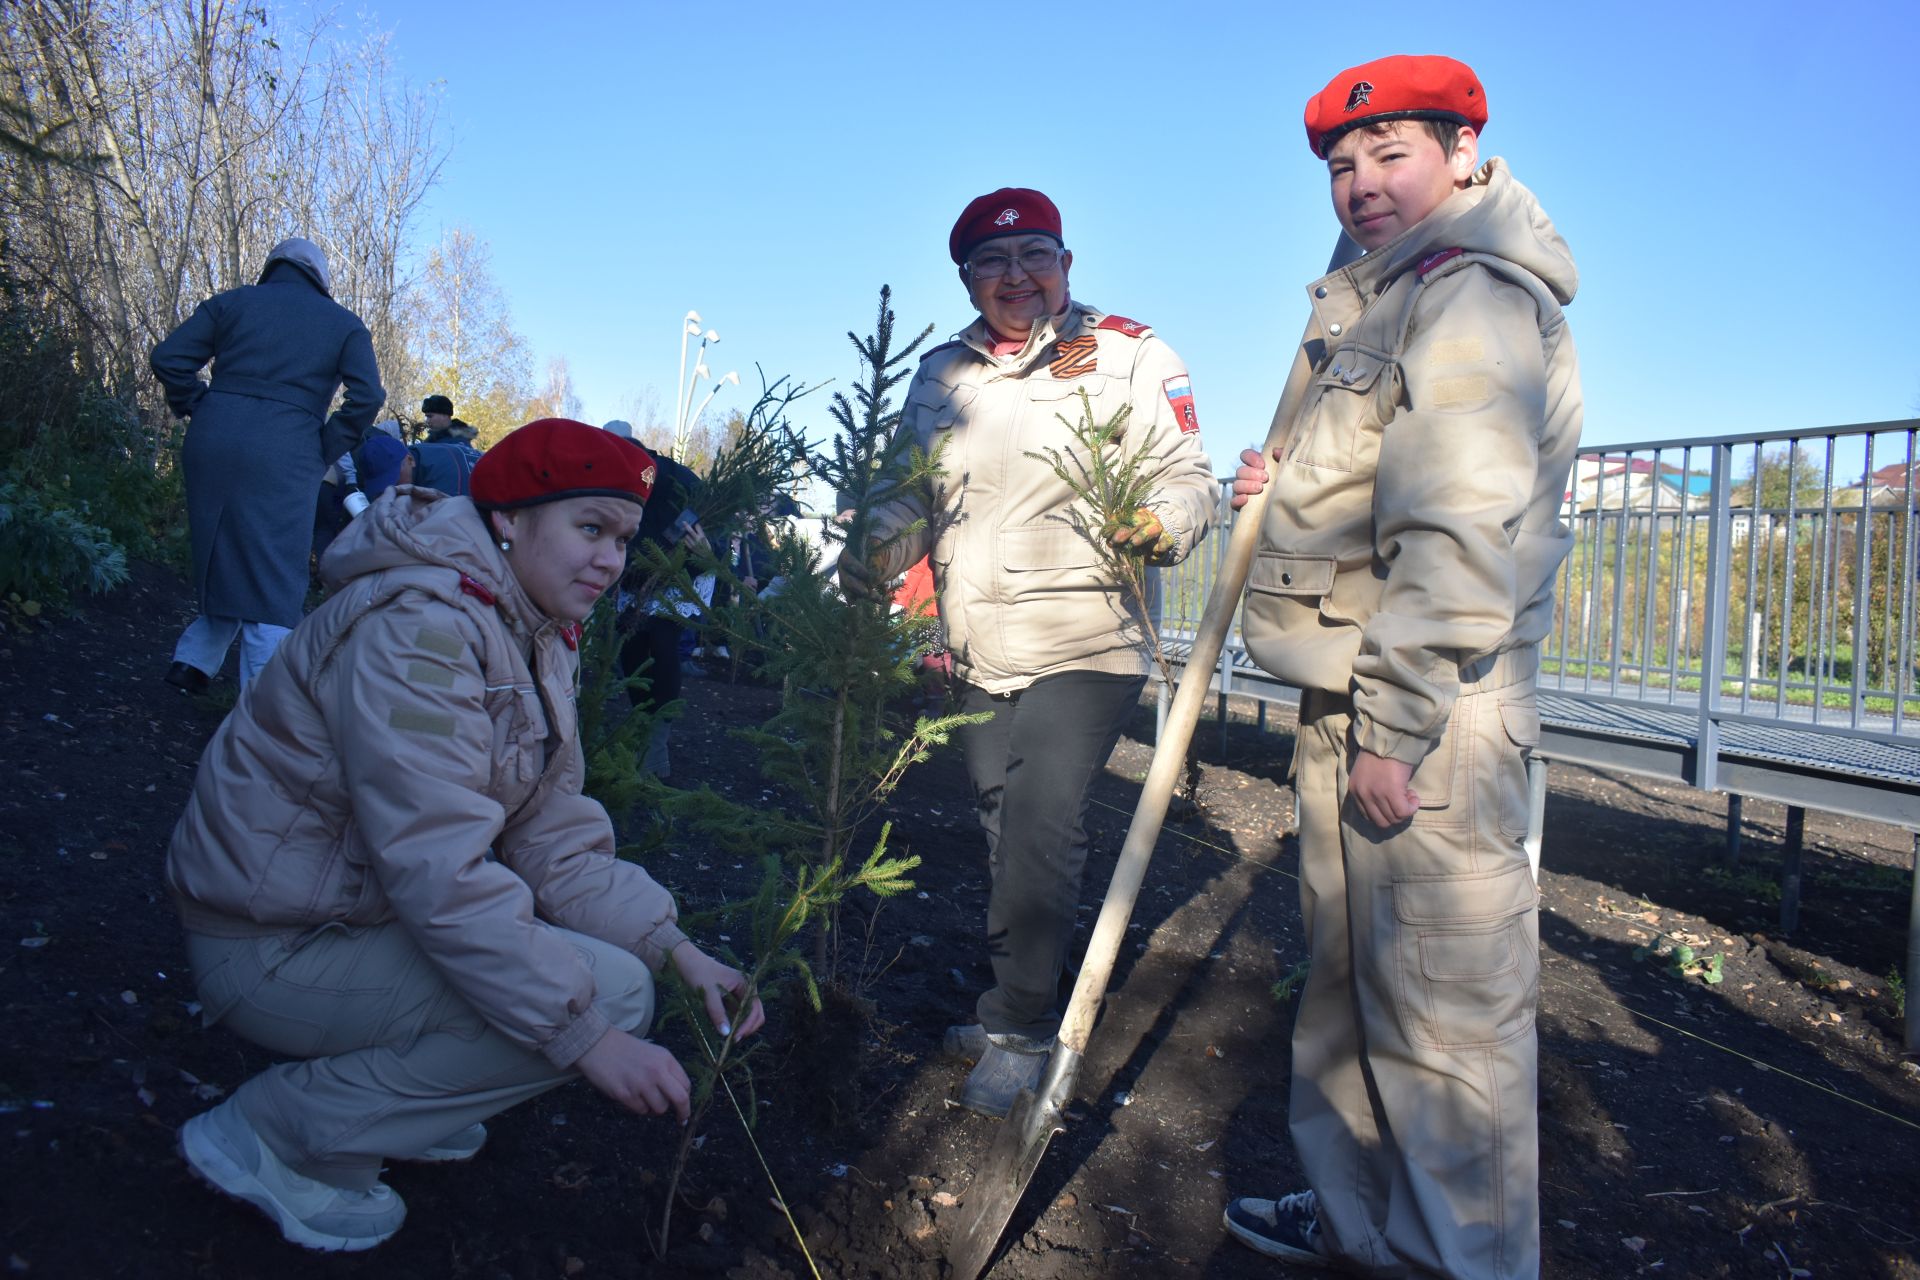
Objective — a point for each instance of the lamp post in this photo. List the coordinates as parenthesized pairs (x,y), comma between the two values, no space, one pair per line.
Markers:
(732,376)
(683,402)
(689,325)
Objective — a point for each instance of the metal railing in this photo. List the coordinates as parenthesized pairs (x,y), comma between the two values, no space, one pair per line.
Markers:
(1784,563)
(1766,578)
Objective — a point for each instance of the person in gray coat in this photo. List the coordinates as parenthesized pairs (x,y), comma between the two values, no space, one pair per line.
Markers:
(257,445)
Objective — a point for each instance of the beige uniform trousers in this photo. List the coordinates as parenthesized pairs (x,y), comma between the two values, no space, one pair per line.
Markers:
(393,1059)
(1414,1098)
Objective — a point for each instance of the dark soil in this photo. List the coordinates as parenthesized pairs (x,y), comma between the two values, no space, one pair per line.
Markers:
(1766,1126)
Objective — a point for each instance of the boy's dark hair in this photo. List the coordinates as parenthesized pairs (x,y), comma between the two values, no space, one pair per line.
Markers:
(1444,132)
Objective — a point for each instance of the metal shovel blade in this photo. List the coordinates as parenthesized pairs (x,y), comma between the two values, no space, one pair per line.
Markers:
(1009,1164)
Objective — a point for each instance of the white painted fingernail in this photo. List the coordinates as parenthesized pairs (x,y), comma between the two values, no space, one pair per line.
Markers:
(726,1028)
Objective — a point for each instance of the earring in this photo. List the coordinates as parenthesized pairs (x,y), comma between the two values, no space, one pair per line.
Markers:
(506,544)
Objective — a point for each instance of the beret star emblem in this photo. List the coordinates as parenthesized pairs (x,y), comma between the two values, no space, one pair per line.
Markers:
(1361,95)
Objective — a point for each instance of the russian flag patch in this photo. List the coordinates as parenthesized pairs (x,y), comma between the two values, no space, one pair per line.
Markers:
(1179,389)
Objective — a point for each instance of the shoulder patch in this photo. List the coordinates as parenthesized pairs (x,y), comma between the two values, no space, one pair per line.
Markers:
(1120,324)
(934,351)
(1434,260)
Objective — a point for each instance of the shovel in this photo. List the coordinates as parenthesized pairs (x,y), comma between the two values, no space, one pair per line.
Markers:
(1036,1115)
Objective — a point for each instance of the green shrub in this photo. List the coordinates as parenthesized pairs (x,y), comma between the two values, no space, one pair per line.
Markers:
(81,449)
(48,551)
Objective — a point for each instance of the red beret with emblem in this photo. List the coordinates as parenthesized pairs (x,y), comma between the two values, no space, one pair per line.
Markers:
(1402,87)
(555,458)
(1010,211)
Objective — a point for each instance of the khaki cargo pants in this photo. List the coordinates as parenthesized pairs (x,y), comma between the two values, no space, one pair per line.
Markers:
(1414,1098)
(391,1059)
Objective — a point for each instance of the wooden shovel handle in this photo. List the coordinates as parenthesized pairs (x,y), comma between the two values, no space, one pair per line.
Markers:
(1171,751)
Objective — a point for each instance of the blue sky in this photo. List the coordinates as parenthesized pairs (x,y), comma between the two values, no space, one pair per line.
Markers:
(1737,183)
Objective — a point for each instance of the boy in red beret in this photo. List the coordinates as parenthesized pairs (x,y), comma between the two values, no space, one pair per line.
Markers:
(1404,582)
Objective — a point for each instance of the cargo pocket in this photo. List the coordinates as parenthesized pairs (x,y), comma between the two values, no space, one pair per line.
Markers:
(1337,413)
(1467,957)
(1520,725)
(1434,777)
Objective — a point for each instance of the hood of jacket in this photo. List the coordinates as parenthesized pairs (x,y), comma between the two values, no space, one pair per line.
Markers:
(410,526)
(305,255)
(1493,215)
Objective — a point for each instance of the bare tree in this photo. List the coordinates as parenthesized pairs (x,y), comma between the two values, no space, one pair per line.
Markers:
(213,132)
(463,341)
(555,396)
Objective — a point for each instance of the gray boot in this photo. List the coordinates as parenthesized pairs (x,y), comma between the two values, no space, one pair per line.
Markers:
(1002,1072)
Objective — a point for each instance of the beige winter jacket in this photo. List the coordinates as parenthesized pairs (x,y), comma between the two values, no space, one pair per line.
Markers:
(1414,525)
(1023,593)
(401,759)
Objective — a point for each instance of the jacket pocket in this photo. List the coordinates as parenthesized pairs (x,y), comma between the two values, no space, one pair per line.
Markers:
(1054,547)
(1467,957)
(938,408)
(1339,410)
(1281,574)
(1042,389)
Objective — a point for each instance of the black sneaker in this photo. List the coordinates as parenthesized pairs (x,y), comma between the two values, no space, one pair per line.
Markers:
(1287,1228)
(187,679)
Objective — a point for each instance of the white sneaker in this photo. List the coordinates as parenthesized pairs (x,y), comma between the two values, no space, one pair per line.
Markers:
(223,1150)
(464,1145)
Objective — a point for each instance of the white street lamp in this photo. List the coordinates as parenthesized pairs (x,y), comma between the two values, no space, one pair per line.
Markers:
(682,425)
(732,376)
(688,326)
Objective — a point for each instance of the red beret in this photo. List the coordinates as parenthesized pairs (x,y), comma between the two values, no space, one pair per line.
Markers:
(1402,87)
(559,458)
(1010,211)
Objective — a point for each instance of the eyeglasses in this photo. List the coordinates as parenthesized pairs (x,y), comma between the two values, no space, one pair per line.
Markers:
(991,266)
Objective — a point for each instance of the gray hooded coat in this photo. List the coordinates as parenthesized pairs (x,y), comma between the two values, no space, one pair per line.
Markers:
(260,438)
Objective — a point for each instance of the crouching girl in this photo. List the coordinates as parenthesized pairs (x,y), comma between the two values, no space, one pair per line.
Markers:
(387,871)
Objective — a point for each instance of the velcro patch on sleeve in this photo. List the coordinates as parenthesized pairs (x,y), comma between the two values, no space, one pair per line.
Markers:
(447,646)
(1458,351)
(413,720)
(1179,390)
(1449,393)
(427,673)
(1120,324)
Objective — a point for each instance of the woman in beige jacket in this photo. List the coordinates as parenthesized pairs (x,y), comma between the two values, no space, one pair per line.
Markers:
(1042,633)
(387,869)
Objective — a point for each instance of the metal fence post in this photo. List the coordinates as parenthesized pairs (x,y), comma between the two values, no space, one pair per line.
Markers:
(1713,644)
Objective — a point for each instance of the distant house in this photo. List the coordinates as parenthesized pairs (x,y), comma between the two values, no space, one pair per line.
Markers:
(1884,488)
(1617,482)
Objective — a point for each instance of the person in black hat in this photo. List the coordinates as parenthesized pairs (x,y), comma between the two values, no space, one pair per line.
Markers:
(442,426)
